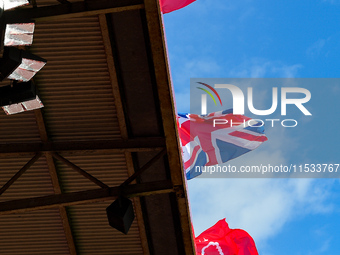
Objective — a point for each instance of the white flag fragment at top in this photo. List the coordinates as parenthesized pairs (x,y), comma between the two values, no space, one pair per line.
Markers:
(10,4)
(20,34)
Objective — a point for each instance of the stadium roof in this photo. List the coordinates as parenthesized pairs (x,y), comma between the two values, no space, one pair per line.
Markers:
(108,120)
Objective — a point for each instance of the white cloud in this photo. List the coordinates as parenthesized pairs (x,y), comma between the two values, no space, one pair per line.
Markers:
(316,48)
(324,241)
(257,68)
(261,206)
(325,246)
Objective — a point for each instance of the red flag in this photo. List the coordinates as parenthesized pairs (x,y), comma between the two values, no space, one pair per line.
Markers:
(173,5)
(221,240)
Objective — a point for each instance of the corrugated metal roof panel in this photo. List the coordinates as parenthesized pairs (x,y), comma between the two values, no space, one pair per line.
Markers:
(109,169)
(93,234)
(77,92)
(34,233)
(18,127)
(75,84)
(35,182)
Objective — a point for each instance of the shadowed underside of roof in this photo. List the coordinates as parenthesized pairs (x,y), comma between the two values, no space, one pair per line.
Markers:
(108,116)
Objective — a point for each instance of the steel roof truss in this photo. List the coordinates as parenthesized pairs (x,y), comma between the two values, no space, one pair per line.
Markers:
(73,10)
(84,197)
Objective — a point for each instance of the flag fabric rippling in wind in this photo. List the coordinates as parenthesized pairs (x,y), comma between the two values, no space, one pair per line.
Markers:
(205,145)
(172,5)
(221,240)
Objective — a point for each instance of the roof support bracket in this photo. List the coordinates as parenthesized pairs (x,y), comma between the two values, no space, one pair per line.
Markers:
(84,197)
(20,172)
(145,167)
(79,170)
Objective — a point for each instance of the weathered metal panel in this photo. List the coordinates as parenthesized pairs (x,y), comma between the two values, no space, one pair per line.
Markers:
(93,234)
(34,233)
(35,182)
(109,169)
(75,84)
(18,128)
(76,90)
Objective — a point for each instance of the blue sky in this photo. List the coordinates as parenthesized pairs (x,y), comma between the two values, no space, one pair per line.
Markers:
(248,39)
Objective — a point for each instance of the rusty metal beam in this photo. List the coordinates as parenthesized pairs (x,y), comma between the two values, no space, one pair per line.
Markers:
(80,171)
(41,125)
(167,108)
(113,76)
(84,147)
(62,210)
(143,168)
(55,182)
(20,172)
(122,125)
(67,230)
(84,197)
(72,10)
(63,1)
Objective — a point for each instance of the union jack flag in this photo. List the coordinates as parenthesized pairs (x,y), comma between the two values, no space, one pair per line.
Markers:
(206,143)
